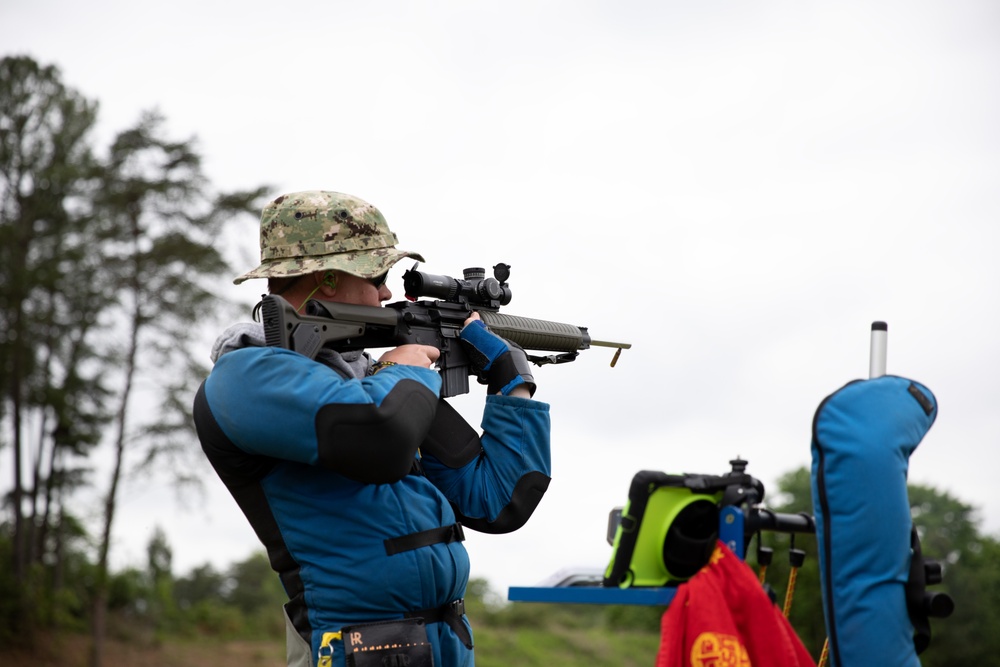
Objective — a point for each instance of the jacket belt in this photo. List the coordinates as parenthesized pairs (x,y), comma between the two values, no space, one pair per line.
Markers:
(451,614)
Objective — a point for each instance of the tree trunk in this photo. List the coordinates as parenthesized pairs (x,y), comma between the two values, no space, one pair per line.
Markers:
(20,543)
(98,624)
(20,349)
(35,529)
(47,505)
(99,609)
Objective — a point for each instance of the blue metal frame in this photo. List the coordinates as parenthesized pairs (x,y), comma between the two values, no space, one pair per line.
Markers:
(731,525)
(594,595)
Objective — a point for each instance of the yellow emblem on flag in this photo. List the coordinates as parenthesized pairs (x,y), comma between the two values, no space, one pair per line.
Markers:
(712,649)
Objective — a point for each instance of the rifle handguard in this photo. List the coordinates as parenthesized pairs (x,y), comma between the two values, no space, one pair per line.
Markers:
(533,334)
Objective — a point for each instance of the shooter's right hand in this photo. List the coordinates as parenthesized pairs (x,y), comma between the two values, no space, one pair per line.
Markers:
(412,354)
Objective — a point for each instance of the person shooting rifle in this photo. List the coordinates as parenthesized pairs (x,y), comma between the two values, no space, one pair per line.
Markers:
(356,475)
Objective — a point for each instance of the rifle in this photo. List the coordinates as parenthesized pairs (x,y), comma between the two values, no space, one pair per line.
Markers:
(344,326)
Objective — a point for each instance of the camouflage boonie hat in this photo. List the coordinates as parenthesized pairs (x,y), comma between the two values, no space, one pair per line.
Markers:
(315,230)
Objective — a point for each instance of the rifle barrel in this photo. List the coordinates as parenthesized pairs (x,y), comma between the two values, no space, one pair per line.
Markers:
(607,343)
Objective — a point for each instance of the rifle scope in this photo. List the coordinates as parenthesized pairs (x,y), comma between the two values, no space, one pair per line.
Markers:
(475,289)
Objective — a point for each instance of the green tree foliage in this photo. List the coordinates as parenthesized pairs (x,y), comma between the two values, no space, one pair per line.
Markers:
(165,254)
(106,270)
(50,407)
(162,603)
(243,601)
(949,532)
(201,584)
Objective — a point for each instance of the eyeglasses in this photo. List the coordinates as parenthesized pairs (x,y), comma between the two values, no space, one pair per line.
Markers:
(378,281)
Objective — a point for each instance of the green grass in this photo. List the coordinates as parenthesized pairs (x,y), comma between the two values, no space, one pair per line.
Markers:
(544,635)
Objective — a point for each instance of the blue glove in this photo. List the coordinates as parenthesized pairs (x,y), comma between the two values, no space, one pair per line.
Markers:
(501,365)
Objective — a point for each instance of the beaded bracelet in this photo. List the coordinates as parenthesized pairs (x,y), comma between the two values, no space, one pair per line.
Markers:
(376,367)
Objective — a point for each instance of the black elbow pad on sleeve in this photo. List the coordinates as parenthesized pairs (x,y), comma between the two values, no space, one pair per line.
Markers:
(376,444)
(454,443)
(450,439)
(527,494)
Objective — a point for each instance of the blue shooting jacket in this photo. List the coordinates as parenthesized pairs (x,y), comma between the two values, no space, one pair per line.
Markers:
(358,487)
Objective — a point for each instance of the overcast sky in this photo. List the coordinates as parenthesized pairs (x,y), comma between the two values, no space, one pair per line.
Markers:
(738,189)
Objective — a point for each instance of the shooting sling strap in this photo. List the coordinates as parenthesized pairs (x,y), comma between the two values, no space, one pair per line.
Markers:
(425,538)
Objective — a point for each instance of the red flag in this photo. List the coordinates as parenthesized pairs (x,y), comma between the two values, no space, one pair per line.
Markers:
(722,617)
